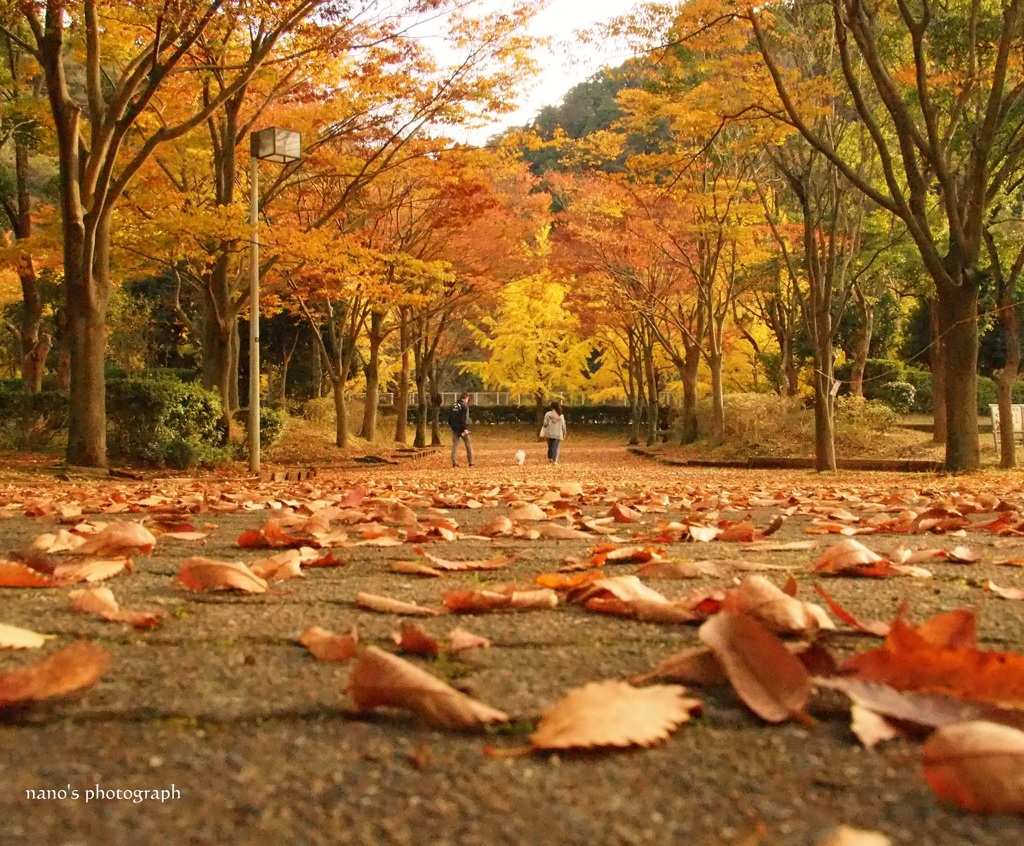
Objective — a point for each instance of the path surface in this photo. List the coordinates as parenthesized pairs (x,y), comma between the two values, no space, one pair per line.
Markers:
(262,745)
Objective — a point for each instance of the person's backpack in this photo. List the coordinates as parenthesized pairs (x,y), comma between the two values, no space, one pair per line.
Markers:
(456,417)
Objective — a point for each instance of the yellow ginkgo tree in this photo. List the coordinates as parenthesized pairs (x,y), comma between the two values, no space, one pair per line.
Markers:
(533,341)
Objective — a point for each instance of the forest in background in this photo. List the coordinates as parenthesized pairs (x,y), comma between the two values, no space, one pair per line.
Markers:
(820,201)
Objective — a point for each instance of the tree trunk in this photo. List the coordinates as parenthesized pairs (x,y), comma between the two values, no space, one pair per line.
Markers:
(87,292)
(422,409)
(216,370)
(717,432)
(340,415)
(435,406)
(862,345)
(34,348)
(652,396)
(824,406)
(402,388)
(368,429)
(958,328)
(938,376)
(688,375)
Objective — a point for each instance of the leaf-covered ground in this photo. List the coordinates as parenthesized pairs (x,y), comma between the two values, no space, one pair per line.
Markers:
(532,738)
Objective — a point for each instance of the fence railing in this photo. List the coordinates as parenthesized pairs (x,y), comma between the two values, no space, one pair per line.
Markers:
(386,399)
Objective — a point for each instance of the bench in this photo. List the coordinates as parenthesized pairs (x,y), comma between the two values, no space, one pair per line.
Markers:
(1016,415)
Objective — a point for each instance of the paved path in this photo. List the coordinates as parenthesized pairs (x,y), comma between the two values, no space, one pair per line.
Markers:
(260,744)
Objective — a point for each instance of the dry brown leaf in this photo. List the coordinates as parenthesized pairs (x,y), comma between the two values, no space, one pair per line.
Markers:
(498,527)
(76,666)
(380,679)
(846,836)
(978,766)
(203,574)
(125,537)
(1004,593)
(645,610)
(279,568)
(485,564)
(16,574)
(411,638)
(62,541)
(460,639)
(871,728)
(101,601)
(481,601)
(413,568)
(963,555)
(958,627)
(529,513)
(613,713)
(97,570)
(623,513)
(696,665)
(703,534)
(852,558)
(328,646)
(387,605)
(554,531)
(772,682)
(679,569)
(13,637)
(758,597)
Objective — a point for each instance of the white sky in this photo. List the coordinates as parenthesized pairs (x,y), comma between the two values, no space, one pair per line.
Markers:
(566,62)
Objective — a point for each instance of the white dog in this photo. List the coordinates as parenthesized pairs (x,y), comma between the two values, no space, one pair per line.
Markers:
(521,457)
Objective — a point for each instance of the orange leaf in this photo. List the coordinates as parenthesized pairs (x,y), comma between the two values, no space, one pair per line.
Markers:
(613,714)
(74,667)
(202,574)
(411,638)
(120,538)
(380,679)
(567,581)
(696,665)
(101,601)
(328,646)
(387,605)
(908,661)
(978,766)
(623,513)
(459,639)
(772,682)
(758,597)
(90,571)
(742,532)
(16,574)
(486,564)
(872,627)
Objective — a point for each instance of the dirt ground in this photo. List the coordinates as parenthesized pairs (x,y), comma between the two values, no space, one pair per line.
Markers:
(257,741)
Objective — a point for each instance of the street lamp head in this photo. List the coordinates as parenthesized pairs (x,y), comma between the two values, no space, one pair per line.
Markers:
(276,145)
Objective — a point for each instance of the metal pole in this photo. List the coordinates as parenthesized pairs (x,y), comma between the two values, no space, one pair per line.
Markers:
(254,320)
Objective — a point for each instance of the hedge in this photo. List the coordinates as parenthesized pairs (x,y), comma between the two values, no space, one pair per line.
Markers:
(30,421)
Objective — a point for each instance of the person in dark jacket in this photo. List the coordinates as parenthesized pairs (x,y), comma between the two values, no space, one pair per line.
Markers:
(458,422)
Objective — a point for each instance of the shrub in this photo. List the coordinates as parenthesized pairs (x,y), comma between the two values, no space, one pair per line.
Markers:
(164,422)
(899,396)
(273,422)
(761,424)
(874,416)
(319,411)
(31,421)
(924,401)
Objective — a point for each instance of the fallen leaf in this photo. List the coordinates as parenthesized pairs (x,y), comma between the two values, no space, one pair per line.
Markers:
(963,555)
(387,605)
(623,513)
(101,601)
(907,661)
(76,666)
(871,627)
(499,526)
(203,574)
(871,728)
(978,766)
(459,639)
(16,574)
(613,714)
(379,679)
(124,537)
(411,638)
(1004,593)
(852,558)
(529,513)
(413,568)
(97,570)
(485,564)
(328,646)
(480,601)
(13,637)
(846,836)
(772,682)
(695,665)
(679,569)
(758,597)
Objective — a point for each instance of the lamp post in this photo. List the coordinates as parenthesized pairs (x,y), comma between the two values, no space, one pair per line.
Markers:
(272,145)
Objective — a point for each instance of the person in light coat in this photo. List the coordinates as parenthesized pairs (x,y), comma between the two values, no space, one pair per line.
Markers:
(554,430)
